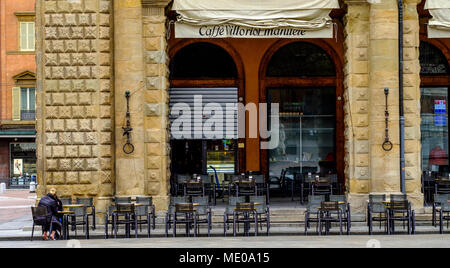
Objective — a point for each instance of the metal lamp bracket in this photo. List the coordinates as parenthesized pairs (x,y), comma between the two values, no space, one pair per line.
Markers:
(128,147)
(387,144)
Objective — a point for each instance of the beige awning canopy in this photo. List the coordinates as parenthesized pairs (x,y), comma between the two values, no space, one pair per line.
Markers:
(439,25)
(259,14)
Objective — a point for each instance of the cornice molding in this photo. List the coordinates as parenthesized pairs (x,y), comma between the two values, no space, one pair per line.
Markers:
(156,3)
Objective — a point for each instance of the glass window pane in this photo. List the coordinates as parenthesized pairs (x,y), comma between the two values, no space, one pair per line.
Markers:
(31,35)
(23,99)
(300,59)
(202,60)
(432,61)
(307,130)
(23,36)
(434,130)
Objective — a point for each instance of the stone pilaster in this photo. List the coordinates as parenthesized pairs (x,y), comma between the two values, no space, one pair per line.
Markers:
(156,102)
(74,93)
(129,75)
(356,83)
(411,93)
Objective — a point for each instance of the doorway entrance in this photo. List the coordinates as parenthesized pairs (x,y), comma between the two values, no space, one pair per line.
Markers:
(204,85)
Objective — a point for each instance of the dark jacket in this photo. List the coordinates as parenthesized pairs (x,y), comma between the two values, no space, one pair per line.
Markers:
(53,205)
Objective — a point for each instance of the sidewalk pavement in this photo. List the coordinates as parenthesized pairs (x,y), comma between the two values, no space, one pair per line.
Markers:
(353,241)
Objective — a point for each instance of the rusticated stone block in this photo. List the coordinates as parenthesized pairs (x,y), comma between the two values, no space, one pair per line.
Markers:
(78,138)
(153,109)
(154,188)
(92,164)
(71,177)
(58,178)
(71,151)
(85,177)
(52,138)
(79,164)
(52,164)
(64,112)
(91,138)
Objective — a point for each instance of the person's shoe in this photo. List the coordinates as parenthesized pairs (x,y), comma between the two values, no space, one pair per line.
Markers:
(45,237)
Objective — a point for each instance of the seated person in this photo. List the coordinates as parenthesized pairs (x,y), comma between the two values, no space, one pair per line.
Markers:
(53,205)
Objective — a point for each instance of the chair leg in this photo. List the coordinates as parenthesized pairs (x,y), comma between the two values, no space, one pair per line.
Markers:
(148,225)
(441,223)
(106,226)
(87,227)
(32,232)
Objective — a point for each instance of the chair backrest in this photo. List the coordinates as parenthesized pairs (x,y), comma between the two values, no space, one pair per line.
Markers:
(259,179)
(87,201)
(338,198)
(39,212)
(145,200)
(233,200)
(316,199)
(376,203)
(122,200)
(207,179)
(66,200)
(141,210)
(261,200)
(333,178)
(178,199)
(445,207)
(441,198)
(201,200)
(377,198)
(398,197)
(182,178)
(79,211)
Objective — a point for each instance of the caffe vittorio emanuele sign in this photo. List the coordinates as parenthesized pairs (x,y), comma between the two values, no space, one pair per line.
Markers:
(235,31)
(254,18)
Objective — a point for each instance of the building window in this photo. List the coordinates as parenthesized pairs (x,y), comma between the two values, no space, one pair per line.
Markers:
(434,93)
(27,103)
(27,37)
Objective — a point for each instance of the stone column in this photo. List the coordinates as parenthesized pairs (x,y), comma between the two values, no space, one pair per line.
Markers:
(74,92)
(129,75)
(156,98)
(356,83)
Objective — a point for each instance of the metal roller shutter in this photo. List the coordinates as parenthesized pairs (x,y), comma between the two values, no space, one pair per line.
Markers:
(225,97)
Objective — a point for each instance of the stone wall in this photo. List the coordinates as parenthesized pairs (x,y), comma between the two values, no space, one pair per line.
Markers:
(74,96)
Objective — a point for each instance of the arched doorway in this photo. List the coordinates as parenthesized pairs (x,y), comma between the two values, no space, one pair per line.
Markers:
(305,78)
(212,71)
(434,93)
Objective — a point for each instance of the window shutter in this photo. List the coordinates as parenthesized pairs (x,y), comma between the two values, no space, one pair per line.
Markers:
(16,103)
(23,36)
(30,36)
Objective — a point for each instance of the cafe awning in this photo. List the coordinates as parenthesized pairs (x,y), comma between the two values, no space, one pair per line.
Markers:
(252,18)
(439,25)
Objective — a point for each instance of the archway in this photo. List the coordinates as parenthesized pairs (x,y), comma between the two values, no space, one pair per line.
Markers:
(305,78)
(212,71)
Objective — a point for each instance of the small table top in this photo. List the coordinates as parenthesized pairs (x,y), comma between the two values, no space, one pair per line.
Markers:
(66,212)
(74,206)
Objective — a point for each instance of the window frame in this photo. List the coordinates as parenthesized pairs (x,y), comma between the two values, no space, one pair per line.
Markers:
(25,17)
